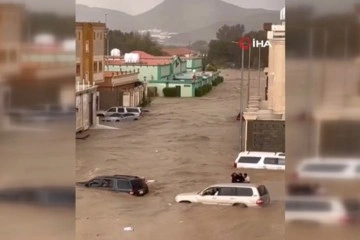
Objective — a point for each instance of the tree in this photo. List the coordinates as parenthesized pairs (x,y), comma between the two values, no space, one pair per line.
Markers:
(230,33)
(201,46)
(131,41)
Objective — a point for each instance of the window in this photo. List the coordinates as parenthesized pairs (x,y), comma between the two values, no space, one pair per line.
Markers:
(308,206)
(358,169)
(281,161)
(123,184)
(94,35)
(128,115)
(107,183)
(101,36)
(133,110)
(138,184)
(249,160)
(79,36)
(100,66)
(244,192)
(94,183)
(210,191)
(120,110)
(325,167)
(2,56)
(272,161)
(186,85)
(262,190)
(78,69)
(112,110)
(95,67)
(116,115)
(227,191)
(13,56)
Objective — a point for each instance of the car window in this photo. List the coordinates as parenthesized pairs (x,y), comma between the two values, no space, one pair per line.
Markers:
(128,115)
(107,183)
(358,169)
(272,161)
(318,206)
(123,184)
(262,190)
(115,115)
(112,110)
(121,110)
(244,192)
(352,206)
(210,191)
(227,191)
(94,183)
(133,110)
(249,160)
(323,167)
(138,184)
(281,161)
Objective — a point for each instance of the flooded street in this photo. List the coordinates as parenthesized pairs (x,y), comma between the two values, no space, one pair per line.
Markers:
(184,145)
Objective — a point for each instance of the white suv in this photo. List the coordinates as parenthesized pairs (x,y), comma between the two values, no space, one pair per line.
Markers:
(235,194)
(321,210)
(134,110)
(260,160)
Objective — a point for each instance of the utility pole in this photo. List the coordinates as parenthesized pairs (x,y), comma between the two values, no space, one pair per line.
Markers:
(249,72)
(259,67)
(107,37)
(241,99)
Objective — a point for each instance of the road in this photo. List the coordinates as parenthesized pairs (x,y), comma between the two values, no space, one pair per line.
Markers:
(184,145)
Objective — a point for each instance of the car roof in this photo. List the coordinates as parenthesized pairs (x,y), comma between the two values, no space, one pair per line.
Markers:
(129,177)
(236,185)
(262,154)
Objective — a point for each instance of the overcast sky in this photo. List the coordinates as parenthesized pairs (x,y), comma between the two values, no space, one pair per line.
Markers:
(134,7)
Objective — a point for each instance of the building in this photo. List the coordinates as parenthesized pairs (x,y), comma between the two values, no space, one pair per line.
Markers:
(90,52)
(265,118)
(11,23)
(121,89)
(159,72)
(85,103)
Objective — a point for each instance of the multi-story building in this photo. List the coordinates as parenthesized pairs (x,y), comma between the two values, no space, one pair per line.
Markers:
(90,52)
(265,118)
(11,26)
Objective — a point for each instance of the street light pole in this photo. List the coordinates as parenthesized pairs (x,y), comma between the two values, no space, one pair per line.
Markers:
(259,66)
(107,36)
(249,71)
(241,100)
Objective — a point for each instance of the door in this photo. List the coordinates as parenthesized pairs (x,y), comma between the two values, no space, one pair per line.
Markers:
(123,186)
(79,125)
(264,194)
(178,91)
(86,112)
(126,99)
(209,196)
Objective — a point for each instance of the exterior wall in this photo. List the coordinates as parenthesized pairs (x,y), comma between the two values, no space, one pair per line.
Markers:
(150,72)
(85,102)
(276,72)
(11,25)
(90,48)
(159,86)
(165,72)
(194,63)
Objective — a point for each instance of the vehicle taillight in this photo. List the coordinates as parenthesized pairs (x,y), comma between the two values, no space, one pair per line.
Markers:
(131,193)
(235,165)
(347,220)
(260,202)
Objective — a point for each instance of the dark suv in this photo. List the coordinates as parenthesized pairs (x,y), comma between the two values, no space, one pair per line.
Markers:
(132,185)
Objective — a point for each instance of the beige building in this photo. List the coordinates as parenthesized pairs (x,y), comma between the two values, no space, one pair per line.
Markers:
(90,50)
(264,118)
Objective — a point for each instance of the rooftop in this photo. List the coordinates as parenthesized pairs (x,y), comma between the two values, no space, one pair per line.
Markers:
(179,51)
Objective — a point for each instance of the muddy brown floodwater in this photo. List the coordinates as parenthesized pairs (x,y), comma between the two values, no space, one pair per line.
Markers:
(185,145)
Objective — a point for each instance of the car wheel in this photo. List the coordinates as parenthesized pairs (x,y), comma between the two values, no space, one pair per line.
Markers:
(240,205)
(185,202)
(136,119)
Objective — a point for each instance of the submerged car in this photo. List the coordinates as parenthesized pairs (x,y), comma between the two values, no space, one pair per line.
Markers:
(132,185)
(120,117)
(234,194)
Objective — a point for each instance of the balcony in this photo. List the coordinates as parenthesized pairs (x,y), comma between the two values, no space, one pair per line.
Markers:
(115,79)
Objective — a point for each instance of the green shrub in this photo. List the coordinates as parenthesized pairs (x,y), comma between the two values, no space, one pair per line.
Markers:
(217,81)
(211,67)
(201,91)
(170,92)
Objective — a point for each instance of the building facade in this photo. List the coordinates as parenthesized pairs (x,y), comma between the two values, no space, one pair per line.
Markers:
(90,52)
(265,118)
